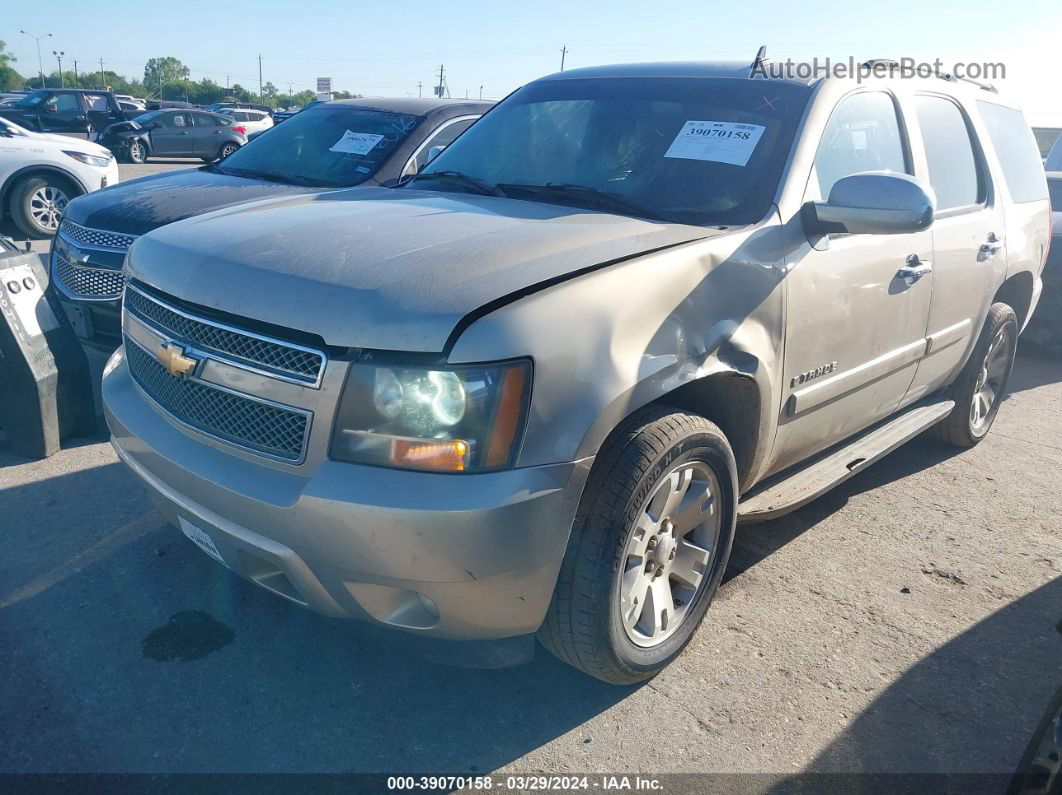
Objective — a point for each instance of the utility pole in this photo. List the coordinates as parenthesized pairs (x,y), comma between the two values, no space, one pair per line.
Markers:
(77,78)
(564,52)
(442,81)
(59,57)
(481,92)
(420,89)
(103,78)
(40,62)
(259,77)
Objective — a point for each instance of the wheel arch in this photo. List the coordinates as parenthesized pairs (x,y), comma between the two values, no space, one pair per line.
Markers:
(1017,293)
(32,171)
(731,400)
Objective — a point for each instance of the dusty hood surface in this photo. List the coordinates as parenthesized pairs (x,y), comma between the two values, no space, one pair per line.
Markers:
(144,204)
(380,268)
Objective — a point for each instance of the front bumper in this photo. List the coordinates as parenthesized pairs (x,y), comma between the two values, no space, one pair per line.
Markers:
(451,556)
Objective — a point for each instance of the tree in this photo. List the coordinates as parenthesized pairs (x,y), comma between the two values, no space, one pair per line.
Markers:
(9,78)
(159,72)
(269,91)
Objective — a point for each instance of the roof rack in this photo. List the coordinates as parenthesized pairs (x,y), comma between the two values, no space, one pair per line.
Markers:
(894,64)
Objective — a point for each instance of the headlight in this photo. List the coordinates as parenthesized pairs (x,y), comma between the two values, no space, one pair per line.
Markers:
(430,417)
(89,160)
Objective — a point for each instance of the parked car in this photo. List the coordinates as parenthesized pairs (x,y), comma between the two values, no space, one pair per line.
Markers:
(1046,137)
(1053,161)
(40,173)
(254,121)
(219,106)
(67,111)
(1046,327)
(309,154)
(175,133)
(131,100)
(531,390)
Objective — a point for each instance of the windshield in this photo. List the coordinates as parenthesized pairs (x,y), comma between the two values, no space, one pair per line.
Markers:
(328,147)
(692,150)
(31,100)
(150,116)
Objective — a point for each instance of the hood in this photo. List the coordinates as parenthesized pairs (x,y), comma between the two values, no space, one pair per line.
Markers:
(383,268)
(144,204)
(72,143)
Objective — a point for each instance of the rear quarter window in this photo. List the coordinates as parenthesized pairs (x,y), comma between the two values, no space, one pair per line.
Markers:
(1018,154)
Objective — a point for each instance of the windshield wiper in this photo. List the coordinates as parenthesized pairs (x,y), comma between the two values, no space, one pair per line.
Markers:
(480,186)
(270,176)
(590,195)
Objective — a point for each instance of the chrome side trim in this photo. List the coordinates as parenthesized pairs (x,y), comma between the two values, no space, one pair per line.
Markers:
(243,364)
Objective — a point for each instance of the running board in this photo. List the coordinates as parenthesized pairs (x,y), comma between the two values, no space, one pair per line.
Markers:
(780,495)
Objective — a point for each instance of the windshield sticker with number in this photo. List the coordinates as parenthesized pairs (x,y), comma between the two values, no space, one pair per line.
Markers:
(718,141)
(355,143)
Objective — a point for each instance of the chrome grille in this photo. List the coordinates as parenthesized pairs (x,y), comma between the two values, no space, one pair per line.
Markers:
(95,237)
(275,357)
(81,281)
(242,421)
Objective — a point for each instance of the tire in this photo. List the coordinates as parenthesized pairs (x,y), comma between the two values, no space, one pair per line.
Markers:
(37,204)
(227,149)
(595,622)
(988,370)
(137,151)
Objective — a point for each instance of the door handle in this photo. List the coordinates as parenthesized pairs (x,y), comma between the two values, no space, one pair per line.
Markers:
(992,244)
(915,269)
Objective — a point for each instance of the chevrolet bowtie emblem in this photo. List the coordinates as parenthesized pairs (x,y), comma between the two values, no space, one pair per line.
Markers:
(172,357)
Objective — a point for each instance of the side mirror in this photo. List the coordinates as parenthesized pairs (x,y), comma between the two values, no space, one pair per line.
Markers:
(874,203)
(433,152)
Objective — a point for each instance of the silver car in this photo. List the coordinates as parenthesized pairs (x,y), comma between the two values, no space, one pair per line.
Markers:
(533,390)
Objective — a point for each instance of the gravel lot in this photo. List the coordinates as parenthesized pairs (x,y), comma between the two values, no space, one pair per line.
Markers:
(909,621)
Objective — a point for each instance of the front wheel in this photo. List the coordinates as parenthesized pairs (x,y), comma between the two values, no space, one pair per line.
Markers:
(982,383)
(137,151)
(648,548)
(37,204)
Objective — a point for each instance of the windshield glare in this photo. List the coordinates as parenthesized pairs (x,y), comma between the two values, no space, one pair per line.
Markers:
(694,150)
(328,146)
(31,100)
(145,118)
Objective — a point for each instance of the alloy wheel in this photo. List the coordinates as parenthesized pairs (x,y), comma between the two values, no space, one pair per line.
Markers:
(46,207)
(669,553)
(992,379)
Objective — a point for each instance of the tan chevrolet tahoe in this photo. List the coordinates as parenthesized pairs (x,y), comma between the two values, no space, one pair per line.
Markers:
(532,391)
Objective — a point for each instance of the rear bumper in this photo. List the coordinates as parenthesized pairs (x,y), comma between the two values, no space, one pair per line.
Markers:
(450,556)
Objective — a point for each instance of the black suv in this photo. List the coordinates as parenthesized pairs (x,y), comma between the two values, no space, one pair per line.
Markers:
(67,111)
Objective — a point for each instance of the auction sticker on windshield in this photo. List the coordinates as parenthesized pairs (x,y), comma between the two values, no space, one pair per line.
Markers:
(718,141)
(200,539)
(356,143)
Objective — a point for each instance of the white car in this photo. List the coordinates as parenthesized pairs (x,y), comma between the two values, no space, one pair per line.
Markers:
(254,121)
(40,173)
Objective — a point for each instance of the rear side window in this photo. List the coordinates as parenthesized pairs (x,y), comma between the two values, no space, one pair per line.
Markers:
(863,134)
(222,121)
(954,171)
(1016,149)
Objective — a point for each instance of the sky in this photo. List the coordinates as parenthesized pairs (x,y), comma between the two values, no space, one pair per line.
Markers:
(386,49)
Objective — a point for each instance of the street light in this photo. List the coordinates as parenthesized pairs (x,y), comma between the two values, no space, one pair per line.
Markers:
(40,62)
(59,57)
